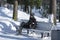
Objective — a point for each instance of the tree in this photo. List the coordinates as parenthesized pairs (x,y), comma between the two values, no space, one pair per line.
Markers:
(50,7)
(21,3)
(26,3)
(15,10)
(31,4)
(50,12)
(45,7)
(38,3)
(59,15)
(2,3)
(10,1)
(59,10)
(54,11)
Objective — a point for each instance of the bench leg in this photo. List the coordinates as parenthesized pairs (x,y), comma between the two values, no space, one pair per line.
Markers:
(41,35)
(27,31)
(47,34)
(19,31)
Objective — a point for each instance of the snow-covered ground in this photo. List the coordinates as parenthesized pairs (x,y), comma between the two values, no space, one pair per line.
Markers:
(8,26)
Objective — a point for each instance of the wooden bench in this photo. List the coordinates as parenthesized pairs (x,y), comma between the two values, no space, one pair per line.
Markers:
(38,30)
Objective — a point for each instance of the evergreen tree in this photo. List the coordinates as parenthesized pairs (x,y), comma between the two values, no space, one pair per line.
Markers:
(10,1)
(38,3)
(26,3)
(21,2)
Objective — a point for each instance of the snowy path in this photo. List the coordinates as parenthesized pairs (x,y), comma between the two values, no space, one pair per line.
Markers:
(16,37)
(20,37)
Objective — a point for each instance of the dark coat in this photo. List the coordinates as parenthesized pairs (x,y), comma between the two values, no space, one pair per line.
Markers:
(30,24)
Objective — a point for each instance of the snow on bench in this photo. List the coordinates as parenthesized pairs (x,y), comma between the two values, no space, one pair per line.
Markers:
(39,31)
(42,32)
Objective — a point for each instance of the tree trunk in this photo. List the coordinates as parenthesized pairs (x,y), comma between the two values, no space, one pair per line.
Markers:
(50,12)
(15,10)
(50,16)
(30,10)
(26,9)
(59,16)
(0,3)
(59,11)
(54,11)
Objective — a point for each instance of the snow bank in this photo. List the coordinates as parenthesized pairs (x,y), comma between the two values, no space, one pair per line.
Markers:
(7,24)
(4,10)
(23,15)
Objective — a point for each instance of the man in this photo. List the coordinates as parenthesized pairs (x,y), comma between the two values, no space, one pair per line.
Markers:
(32,21)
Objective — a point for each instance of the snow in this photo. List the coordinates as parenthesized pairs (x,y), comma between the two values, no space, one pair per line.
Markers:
(8,26)
(14,37)
(36,12)
(56,27)
(47,38)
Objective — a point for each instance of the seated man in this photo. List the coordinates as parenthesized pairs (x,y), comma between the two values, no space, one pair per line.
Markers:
(32,21)
(30,24)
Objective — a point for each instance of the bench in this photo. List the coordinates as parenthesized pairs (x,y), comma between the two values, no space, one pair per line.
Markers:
(40,29)
(43,33)
(25,24)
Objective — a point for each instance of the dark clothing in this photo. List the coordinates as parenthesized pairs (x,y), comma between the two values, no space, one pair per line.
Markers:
(30,24)
(24,25)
